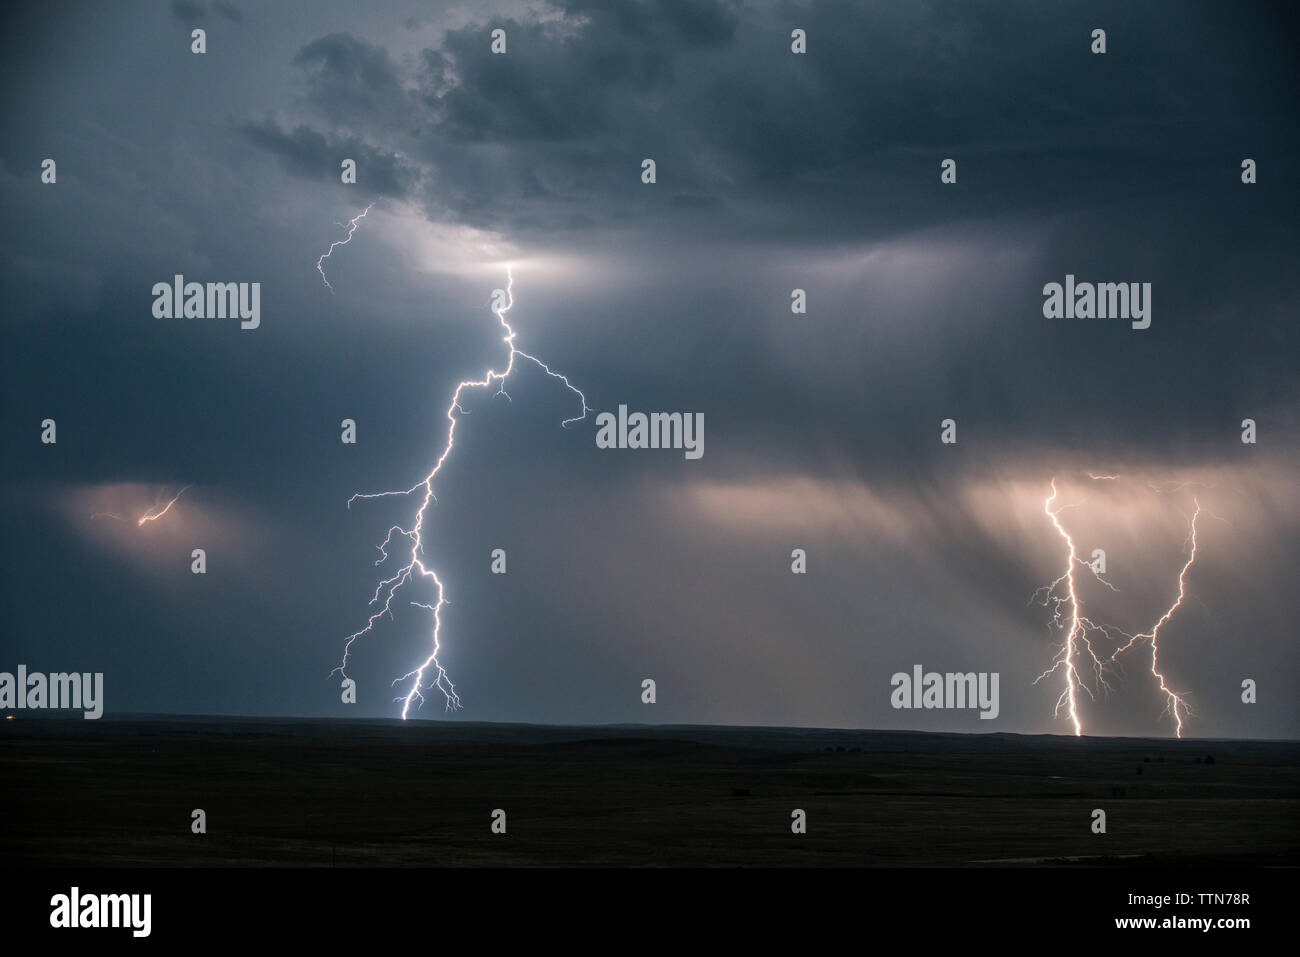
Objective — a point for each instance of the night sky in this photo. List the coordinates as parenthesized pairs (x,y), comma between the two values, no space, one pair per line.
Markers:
(775,171)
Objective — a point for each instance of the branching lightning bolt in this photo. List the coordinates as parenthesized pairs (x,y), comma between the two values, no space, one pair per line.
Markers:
(351,228)
(1080,627)
(1173,701)
(1080,631)
(430,673)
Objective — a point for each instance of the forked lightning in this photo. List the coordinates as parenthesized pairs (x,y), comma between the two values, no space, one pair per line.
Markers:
(1080,631)
(430,673)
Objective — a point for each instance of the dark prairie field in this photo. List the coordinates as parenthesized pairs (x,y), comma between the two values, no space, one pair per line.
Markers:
(321,793)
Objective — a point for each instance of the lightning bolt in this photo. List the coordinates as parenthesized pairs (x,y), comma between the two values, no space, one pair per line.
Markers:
(1173,701)
(1063,596)
(1077,633)
(430,673)
(149,516)
(160,512)
(351,228)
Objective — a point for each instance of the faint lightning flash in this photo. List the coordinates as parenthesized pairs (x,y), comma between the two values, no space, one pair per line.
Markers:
(415,563)
(1081,630)
(153,515)
(351,228)
(159,513)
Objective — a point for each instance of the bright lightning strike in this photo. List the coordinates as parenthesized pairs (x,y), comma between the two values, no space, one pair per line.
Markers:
(1080,631)
(351,228)
(1076,639)
(429,673)
(1173,701)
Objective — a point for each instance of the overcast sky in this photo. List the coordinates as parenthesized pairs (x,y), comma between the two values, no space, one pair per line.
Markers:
(775,171)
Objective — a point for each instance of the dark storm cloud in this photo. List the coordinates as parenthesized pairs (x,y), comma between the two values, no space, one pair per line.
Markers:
(803,144)
(526,137)
(583,77)
(306,152)
(709,23)
(351,80)
(187,9)
(190,10)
